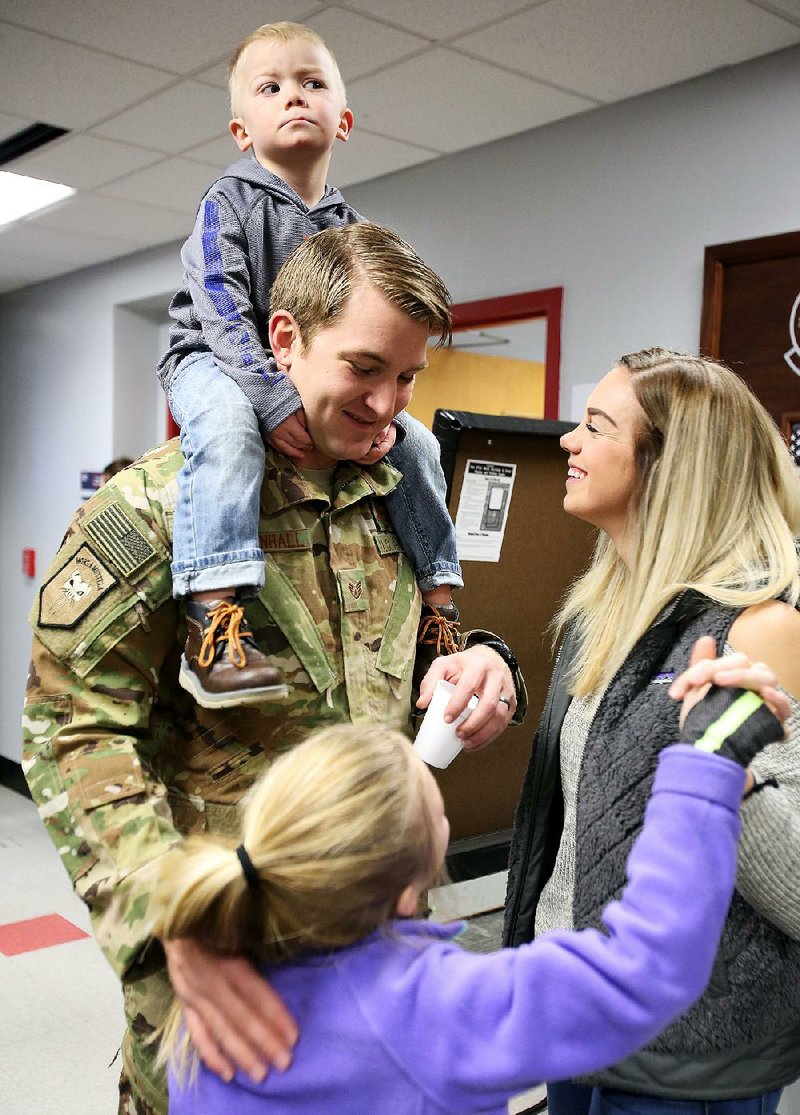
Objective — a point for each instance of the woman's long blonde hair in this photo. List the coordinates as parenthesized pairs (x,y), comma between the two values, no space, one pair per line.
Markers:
(336,829)
(717,509)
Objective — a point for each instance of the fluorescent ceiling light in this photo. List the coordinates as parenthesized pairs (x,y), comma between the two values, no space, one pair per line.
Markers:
(20,195)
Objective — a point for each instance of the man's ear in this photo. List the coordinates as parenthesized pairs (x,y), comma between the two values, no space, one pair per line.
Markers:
(345,125)
(239,132)
(283,332)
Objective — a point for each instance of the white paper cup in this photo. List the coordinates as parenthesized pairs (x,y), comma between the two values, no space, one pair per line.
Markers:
(437,742)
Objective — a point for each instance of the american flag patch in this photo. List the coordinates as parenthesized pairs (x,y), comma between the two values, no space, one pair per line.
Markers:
(119,539)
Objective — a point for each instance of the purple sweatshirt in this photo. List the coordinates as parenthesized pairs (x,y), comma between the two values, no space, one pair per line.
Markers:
(406,1022)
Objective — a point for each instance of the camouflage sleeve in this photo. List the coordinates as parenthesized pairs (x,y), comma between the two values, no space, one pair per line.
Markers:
(478,637)
(102,629)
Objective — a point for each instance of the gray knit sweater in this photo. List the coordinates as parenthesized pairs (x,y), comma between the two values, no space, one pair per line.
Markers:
(248,223)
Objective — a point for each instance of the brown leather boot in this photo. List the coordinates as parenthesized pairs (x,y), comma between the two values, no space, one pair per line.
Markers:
(222,665)
(438,634)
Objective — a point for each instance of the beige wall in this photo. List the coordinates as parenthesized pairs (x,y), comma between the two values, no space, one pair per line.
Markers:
(461,380)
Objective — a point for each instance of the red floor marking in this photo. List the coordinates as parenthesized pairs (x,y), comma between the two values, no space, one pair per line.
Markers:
(37,933)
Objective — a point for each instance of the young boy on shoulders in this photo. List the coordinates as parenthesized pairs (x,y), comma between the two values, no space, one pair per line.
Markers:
(289,107)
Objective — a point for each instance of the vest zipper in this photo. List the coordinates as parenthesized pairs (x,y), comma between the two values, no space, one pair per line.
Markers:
(512,924)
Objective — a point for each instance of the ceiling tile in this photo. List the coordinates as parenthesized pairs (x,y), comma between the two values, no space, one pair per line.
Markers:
(82,161)
(95,215)
(363,156)
(362,45)
(21,271)
(174,183)
(183,116)
(178,36)
(215,75)
(10,125)
(219,152)
(66,85)
(423,99)
(441,20)
(30,253)
(622,47)
(424,76)
(789,8)
(366,156)
(31,240)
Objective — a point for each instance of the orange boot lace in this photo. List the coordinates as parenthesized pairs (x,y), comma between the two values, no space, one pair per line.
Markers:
(437,630)
(226,625)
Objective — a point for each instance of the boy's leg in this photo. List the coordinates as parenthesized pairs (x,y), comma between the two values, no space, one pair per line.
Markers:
(216,549)
(418,510)
(215,539)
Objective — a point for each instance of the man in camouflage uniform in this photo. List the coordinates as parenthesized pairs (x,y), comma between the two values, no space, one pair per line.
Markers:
(120,759)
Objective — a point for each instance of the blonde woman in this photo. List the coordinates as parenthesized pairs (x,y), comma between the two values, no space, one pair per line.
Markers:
(698,506)
(339,838)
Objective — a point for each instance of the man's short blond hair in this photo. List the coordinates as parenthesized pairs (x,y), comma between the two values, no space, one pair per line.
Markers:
(284,32)
(315,283)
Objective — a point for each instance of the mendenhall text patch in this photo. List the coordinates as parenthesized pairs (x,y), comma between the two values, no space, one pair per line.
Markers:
(276,540)
(74,590)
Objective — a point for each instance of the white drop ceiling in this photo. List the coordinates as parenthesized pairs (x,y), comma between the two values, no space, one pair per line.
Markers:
(141,86)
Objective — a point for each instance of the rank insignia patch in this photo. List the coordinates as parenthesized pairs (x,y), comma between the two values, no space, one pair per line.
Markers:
(74,590)
(353,587)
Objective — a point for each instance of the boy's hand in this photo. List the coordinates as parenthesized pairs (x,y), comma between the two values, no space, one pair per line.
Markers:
(291,436)
(380,446)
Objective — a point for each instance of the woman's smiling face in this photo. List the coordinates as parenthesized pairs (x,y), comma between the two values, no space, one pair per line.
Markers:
(601,476)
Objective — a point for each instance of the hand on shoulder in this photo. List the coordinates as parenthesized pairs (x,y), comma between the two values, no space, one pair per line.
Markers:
(770,632)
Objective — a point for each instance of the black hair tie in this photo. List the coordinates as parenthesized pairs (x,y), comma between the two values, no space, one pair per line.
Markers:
(248,870)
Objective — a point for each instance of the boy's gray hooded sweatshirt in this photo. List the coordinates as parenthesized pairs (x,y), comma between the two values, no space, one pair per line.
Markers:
(247,224)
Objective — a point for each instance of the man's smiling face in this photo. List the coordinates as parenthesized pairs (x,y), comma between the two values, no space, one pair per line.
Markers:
(355,375)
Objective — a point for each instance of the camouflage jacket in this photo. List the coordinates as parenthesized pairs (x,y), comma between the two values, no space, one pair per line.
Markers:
(120,760)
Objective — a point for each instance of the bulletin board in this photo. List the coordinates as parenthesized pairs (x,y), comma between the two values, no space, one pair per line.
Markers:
(543,550)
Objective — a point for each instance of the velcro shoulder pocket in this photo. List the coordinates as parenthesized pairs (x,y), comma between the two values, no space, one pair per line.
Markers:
(109,572)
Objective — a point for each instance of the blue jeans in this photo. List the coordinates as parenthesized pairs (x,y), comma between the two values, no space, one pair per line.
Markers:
(215,539)
(418,507)
(566,1098)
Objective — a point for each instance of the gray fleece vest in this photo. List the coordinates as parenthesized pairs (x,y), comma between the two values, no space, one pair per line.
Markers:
(754,995)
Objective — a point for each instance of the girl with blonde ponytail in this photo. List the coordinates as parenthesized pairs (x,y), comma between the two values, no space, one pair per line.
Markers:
(340,837)
(332,834)
(697,503)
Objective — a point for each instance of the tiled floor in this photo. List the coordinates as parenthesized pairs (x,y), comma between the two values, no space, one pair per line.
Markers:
(61,1016)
